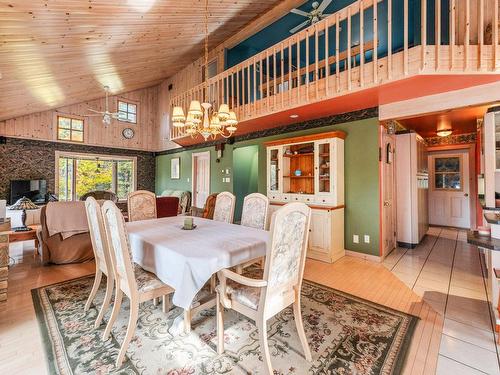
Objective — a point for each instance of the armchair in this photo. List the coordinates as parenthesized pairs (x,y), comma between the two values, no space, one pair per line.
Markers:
(280,286)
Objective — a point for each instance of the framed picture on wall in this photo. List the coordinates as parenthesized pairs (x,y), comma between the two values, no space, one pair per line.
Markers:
(175,170)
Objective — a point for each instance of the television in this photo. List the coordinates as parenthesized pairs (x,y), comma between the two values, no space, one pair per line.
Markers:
(35,190)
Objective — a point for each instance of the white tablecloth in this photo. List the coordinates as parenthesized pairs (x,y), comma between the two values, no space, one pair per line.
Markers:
(186,259)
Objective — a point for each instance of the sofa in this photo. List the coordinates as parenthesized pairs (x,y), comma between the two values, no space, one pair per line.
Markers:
(184,199)
(54,249)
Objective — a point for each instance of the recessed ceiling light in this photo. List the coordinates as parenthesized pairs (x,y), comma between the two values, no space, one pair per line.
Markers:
(294,116)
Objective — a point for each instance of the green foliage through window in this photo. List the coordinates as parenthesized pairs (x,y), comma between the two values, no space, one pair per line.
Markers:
(78,176)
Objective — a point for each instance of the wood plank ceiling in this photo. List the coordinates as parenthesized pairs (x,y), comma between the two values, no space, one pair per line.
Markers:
(60,52)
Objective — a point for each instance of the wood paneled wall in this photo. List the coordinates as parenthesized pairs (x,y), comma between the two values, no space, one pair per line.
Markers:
(42,125)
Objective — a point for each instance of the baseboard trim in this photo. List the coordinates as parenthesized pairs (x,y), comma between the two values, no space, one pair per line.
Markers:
(371,258)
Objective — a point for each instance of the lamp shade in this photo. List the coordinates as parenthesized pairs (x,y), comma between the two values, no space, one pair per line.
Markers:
(178,115)
(223,112)
(232,120)
(444,128)
(24,204)
(195,108)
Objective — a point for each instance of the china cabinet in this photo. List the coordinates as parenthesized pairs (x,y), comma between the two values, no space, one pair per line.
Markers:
(310,169)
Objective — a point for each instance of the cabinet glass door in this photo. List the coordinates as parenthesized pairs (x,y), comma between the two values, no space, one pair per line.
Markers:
(274,168)
(324,160)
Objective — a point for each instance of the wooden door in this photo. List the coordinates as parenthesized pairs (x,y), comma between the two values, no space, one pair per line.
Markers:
(388,194)
(201,178)
(449,201)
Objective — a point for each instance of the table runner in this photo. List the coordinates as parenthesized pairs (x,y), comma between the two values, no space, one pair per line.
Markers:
(186,259)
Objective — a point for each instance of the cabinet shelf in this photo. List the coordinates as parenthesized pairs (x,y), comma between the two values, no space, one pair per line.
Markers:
(298,176)
(298,155)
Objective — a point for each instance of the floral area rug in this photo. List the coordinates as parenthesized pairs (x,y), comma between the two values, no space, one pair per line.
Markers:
(346,334)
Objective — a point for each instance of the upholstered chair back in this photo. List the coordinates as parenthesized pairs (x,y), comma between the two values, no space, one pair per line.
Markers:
(117,237)
(285,258)
(255,208)
(224,207)
(98,236)
(141,205)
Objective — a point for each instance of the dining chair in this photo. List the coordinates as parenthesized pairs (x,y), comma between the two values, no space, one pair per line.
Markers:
(207,212)
(255,215)
(261,299)
(102,257)
(224,207)
(141,205)
(130,279)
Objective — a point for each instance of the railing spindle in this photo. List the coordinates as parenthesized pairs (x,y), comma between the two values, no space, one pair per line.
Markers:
(248,89)
(452,33)
(349,83)
(298,68)
(275,90)
(389,38)
(480,34)
(307,64)
(423,31)
(261,74)
(327,57)
(282,75)
(467,34)
(254,84)
(267,77)
(495,35)
(290,71)
(361,44)
(438,33)
(405,37)
(337,49)
(316,60)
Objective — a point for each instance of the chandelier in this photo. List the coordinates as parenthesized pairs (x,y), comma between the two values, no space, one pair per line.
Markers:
(203,118)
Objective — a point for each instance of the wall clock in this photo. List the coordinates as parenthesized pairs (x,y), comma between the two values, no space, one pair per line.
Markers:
(128,133)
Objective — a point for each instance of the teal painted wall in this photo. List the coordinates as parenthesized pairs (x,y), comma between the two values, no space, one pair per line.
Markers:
(245,174)
(361,176)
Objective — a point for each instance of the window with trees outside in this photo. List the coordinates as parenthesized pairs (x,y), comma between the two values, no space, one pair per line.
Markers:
(80,174)
(69,129)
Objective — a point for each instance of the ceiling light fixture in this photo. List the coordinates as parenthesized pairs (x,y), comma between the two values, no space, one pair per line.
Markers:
(294,116)
(444,128)
(201,117)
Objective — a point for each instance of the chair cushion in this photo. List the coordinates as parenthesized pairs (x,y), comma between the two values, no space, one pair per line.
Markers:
(246,295)
(146,281)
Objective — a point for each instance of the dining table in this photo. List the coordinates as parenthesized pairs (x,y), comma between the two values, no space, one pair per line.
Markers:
(187,259)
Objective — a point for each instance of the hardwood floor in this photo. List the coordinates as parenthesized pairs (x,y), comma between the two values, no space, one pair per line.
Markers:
(387,284)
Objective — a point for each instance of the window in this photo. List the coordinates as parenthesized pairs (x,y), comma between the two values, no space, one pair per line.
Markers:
(80,174)
(69,129)
(447,174)
(127,112)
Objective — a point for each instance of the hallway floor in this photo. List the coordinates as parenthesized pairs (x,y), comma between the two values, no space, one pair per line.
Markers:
(448,273)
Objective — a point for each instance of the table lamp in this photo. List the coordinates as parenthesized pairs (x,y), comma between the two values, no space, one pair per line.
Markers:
(23,204)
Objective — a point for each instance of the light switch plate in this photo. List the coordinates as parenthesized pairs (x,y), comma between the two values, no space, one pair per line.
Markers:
(367,238)
(355,238)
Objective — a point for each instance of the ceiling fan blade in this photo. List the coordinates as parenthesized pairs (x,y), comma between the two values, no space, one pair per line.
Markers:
(93,110)
(93,115)
(299,12)
(298,27)
(324,4)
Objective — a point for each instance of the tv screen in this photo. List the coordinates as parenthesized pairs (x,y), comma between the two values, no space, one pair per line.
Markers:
(32,189)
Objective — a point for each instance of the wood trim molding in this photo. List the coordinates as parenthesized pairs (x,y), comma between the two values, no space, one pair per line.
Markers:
(307,138)
(313,206)
(369,257)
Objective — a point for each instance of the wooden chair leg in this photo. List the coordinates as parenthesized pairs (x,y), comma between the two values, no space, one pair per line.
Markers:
(187,321)
(132,323)
(297,314)
(106,302)
(264,348)
(220,325)
(166,303)
(114,313)
(95,288)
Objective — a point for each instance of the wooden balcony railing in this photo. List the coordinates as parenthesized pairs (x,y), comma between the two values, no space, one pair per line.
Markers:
(337,55)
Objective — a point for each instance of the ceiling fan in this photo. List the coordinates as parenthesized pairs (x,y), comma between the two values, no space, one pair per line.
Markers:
(107,116)
(315,15)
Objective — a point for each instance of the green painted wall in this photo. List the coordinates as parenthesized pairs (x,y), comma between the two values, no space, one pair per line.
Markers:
(361,176)
(245,174)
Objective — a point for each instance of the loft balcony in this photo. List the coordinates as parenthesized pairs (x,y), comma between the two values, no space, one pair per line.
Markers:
(360,47)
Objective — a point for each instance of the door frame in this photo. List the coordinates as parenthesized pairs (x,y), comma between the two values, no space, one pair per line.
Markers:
(382,144)
(194,164)
(471,149)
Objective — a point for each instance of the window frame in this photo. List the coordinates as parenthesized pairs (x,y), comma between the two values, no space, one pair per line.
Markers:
(91,156)
(127,102)
(71,130)
(460,172)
